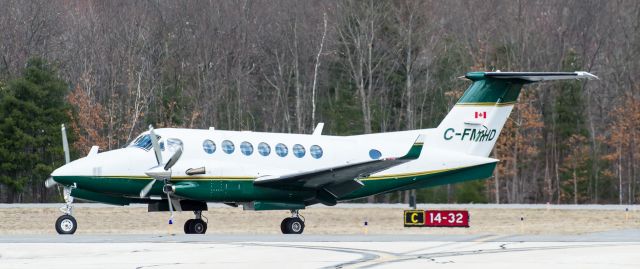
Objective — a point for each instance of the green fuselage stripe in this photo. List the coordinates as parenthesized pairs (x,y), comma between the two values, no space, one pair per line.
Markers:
(241,188)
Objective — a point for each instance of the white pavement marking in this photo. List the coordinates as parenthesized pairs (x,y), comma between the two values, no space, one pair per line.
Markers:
(263,254)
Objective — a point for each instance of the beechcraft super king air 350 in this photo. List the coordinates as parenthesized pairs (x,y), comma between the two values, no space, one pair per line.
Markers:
(183,169)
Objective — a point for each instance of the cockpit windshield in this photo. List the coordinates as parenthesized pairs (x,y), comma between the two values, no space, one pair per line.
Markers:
(143,142)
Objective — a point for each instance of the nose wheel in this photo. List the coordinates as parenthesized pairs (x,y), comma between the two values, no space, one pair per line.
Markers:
(195,226)
(67,224)
(292,225)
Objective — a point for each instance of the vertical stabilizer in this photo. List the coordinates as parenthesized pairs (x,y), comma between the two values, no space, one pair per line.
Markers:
(475,121)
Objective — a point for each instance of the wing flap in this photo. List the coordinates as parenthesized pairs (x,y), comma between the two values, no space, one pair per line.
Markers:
(344,188)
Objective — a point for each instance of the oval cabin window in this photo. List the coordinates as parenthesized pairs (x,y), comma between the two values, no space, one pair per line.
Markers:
(375,154)
(208,146)
(316,151)
(298,150)
(246,148)
(264,149)
(282,150)
(228,147)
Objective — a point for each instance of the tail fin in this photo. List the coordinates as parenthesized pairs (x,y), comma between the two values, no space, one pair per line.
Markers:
(474,123)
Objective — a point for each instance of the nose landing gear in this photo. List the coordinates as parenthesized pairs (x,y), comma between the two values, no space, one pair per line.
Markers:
(293,225)
(67,224)
(197,225)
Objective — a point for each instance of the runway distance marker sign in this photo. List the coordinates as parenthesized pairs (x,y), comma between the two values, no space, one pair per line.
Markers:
(413,218)
(436,218)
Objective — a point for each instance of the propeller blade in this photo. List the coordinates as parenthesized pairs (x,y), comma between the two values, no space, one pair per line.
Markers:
(156,147)
(145,191)
(65,144)
(174,158)
(170,208)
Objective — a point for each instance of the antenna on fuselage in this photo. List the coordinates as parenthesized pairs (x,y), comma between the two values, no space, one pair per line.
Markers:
(318,129)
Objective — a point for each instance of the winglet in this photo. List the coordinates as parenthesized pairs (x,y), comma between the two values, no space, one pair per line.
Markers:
(415,150)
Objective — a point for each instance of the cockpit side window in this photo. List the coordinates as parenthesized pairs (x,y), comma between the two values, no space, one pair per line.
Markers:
(143,142)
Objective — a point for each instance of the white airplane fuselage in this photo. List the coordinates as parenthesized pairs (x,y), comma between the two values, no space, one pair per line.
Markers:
(267,171)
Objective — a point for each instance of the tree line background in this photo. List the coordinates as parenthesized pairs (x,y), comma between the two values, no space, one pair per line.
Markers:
(109,68)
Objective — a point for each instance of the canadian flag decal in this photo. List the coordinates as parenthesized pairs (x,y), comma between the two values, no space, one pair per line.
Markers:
(481,115)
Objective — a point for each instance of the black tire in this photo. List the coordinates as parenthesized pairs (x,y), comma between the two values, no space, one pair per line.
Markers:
(198,226)
(66,224)
(293,226)
(187,226)
(283,226)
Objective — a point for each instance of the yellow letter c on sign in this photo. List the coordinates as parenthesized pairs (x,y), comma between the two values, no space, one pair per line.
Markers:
(413,218)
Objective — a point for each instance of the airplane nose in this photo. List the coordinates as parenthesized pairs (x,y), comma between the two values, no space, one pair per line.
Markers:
(62,170)
(79,167)
(108,162)
(61,175)
(58,172)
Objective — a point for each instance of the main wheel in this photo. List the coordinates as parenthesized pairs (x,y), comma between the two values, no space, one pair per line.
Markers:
(187,226)
(293,226)
(198,226)
(283,226)
(66,224)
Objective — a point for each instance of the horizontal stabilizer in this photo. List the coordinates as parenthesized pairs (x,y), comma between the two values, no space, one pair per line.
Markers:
(531,76)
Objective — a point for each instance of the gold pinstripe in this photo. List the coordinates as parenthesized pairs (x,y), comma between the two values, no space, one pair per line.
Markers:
(231,178)
(486,104)
(182,177)
(414,174)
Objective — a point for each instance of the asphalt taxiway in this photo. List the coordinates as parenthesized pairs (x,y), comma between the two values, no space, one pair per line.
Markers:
(615,249)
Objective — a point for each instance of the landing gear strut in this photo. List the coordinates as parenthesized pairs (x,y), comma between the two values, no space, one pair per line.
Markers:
(67,224)
(292,225)
(197,225)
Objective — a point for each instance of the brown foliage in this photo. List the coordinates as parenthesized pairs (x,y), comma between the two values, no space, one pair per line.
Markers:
(87,121)
(625,153)
(517,148)
(574,164)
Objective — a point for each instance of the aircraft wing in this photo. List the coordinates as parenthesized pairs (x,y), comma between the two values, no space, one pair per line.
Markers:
(338,180)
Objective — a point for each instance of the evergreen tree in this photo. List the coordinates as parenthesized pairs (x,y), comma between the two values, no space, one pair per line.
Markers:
(32,108)
(569,106)
(571,134)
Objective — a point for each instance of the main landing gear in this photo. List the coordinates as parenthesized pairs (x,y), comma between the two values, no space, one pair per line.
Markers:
(293,225)
(197,225)
(67,224)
